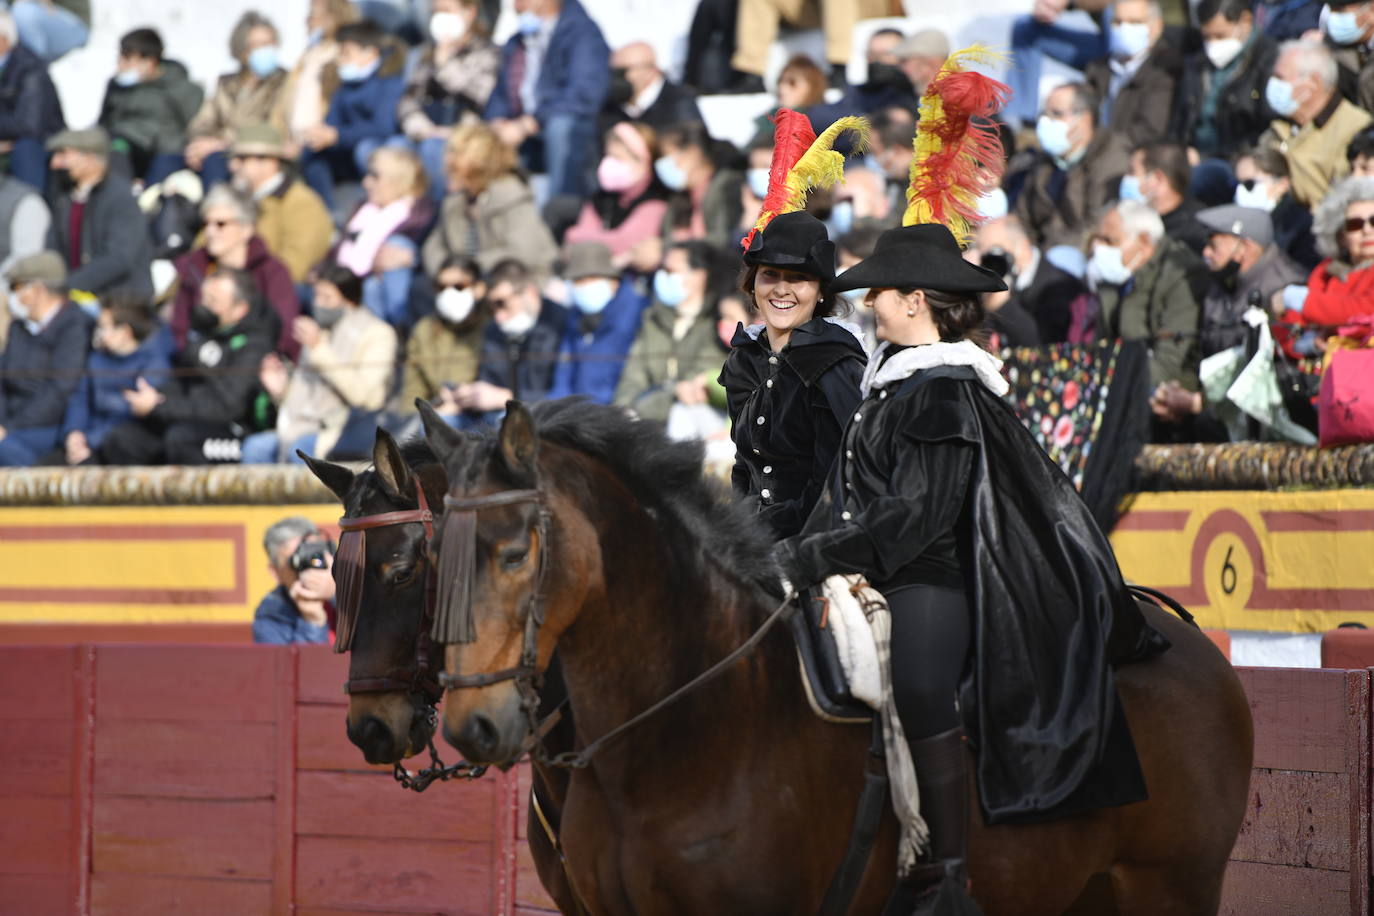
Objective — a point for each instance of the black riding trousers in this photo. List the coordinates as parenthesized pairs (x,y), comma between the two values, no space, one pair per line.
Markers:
(931,630)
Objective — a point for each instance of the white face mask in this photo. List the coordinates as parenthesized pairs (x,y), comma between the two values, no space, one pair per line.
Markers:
(444,27)
(1109,266)
(454,305)
(1257,196)
(18,310)
(1222,51)
(517,325)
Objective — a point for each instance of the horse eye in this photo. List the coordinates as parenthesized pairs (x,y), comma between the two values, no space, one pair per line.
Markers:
(402,576)
(514,557)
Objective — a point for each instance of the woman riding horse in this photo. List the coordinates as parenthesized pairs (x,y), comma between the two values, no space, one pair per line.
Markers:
(1008,610)
(793,380)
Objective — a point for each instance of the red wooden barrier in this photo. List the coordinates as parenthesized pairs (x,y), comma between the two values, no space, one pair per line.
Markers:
(214,779)
(1348,647)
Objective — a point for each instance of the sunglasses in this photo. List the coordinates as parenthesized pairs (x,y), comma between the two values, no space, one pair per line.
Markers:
(219,223)
(1356,223)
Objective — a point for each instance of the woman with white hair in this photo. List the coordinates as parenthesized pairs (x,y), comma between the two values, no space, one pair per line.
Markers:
(1342,285)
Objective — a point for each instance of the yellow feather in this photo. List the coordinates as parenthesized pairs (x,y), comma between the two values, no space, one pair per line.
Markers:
(819,167)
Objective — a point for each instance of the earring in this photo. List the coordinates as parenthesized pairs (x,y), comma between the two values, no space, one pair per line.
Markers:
(911,313)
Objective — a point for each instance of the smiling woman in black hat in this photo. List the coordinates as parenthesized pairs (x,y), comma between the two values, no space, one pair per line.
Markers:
(1003,592)
(792,380)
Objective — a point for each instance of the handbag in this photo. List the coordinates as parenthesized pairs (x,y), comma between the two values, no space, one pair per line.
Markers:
(1345,406)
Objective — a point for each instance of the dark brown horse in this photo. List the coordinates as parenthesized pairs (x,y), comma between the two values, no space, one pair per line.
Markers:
(390,725)
(736,798)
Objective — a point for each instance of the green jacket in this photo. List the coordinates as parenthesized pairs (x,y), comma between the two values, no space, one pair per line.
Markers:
(1159,306)
(152,116)
(657,362)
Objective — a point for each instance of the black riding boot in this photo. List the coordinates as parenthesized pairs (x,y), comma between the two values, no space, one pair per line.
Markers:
(939,885)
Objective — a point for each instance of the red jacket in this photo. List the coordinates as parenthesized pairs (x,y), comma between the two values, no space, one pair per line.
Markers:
(270,276)
(1333,301)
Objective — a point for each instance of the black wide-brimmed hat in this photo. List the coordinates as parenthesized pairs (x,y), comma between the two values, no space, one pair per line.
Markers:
(797,241)
(925,256)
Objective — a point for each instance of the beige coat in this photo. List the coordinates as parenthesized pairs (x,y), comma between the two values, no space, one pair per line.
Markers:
(437,354)
(296,227)
(236,103)
(1316,152)
(508,226)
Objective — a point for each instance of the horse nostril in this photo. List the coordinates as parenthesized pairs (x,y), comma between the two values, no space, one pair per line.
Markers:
(373,737)
(478,739)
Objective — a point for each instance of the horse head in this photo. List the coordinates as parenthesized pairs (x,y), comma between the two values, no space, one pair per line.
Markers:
(383,576)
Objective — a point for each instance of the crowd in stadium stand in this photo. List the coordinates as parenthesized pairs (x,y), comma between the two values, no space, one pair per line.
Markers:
(292,256)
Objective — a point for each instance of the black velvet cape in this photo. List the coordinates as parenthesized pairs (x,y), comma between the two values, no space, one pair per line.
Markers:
(1051,613)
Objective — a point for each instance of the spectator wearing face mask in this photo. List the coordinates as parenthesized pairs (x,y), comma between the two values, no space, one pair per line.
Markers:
(1145,284)
(891,57)
(362,112)
(310,85)
(1077,171)
(1159,176)
(449,85)
(149,103)
(443,350)
(125,348)
(1138,80)
(704,196)
(1349,31)
(602,323)
(758,157)
(1034,285)
(641,92)
(1314,124)
(1220,108)
(629,206)
(1262,183)
(43,360)
(329,405)
(248,96)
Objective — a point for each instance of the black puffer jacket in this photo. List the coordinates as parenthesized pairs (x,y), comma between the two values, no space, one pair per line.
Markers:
(1241,113)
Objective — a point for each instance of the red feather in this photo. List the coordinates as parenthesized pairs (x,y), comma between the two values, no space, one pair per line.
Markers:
(792,137)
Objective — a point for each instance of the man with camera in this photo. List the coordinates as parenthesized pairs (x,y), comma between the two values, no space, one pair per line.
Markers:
(302,559)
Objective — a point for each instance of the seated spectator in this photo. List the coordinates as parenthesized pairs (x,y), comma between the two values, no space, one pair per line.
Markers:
(1040,36)
(758,165)
(1220,108)
(489,214)
(1262,182)
(1360,154)
(801,86)
(362,110)
(202,412)
(250,95)
(1145,282)
(602,325)
(230,244)
(126,347)
(890,55)
(920,56)
(149,103)
(449,85)
(1342,285)
(555,73)
(30,111)
(1314,124)
(1160,176)
(677,350)
(704,195)
(1349,29)
(302,562)
(1138,80)
(630,205)
(864,195)
(292,220)
(92,217)
(890,153)
(759,22)
(641,92)
(519,347)
(24,222)
(443,350)
(1035,285)
(382,238)
(43,359)
(329,405)
(309,87)
(1076,172)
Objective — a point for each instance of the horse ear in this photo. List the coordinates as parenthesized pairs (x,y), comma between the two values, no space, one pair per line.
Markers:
(391,468)
(519,444)
(443,439)
(336,477)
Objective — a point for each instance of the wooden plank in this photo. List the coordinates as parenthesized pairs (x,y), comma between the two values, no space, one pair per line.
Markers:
(34,682)
(213,758)
(67,634)
(1302,717)
(335,911)
(532,911)
(229,683)
(322,673)
(523,774)
(158,895)
(83,778)
(36,757)
(1297,819)
(187,838)
(373,805)
(36,895)
(529,891)
(1251,889)
(322,742)
(420,875)
(505,867)
(35,836)
(284,811)
(1357,770)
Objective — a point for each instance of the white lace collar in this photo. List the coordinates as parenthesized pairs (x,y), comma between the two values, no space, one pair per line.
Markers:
(880,374)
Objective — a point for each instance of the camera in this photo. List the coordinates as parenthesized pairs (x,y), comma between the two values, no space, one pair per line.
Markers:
(998,261)
(310,554)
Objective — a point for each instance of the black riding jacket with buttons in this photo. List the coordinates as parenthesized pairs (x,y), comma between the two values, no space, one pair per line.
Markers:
(787,414)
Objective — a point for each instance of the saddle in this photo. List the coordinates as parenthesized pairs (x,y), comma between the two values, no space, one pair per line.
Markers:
(827,653)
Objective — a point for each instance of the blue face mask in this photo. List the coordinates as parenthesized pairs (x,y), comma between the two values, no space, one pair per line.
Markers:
(1129,39)
(127,78)
(529,24)
(758,182)
(670,173)
(670,289)
(316,36)
(1344,28)
(263,61)
(356,73)
(1053,135)
(1279,95)
(592,298)
(841,218)
(1109,266)
(1130,189)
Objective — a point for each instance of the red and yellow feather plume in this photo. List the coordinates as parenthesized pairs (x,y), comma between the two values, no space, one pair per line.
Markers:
(957,159)
(803,162)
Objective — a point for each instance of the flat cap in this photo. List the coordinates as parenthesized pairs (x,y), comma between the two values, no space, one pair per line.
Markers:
(92,140)
(1246,222)
(258,140)
(46,267)
(589,259)
(931,43)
